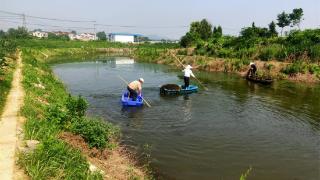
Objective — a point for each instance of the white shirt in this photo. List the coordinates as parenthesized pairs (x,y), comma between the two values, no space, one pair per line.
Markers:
(188,72)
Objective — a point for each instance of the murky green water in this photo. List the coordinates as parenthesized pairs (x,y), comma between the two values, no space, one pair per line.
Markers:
(214,134)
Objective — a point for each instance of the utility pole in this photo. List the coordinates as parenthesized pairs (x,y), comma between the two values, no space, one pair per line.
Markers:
(94,31)
(24,22)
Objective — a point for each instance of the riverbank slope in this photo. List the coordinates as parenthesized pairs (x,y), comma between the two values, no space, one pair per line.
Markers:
(66,143)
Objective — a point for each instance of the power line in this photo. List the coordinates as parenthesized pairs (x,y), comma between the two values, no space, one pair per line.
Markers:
(43,25)
(45,18)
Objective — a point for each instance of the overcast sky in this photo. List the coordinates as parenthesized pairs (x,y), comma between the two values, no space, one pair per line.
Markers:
(165,18)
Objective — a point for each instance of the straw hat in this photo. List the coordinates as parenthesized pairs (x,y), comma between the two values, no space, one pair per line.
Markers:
(189,67)
(141,80)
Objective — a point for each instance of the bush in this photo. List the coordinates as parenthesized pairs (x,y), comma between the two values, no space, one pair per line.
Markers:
(95,132)
(296,67)
(76,106)
(270,52)
(314,69)
(54,159)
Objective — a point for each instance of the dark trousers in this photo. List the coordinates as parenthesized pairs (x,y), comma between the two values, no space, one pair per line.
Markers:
(132,93)
(186,81)
(252,72)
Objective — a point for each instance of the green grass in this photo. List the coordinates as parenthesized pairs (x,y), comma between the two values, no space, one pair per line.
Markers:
(6,76)
(50,110)
(55,159)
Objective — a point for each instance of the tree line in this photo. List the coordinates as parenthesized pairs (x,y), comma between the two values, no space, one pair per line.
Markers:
(253,42)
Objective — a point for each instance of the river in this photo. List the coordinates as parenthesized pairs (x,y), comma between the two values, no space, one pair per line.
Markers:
(213,134)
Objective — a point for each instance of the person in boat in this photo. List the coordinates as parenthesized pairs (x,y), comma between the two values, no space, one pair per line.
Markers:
(135,88)
(252,71)
(187,73)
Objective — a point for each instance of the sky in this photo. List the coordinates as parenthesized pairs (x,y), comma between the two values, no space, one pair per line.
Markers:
(157,18)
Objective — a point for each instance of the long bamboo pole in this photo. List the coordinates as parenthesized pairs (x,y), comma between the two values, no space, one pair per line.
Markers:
(126,82)
(194,77)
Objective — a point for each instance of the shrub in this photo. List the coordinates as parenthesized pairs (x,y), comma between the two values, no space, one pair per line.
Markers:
(76,106)
(54,159)
(296,67)
(95,132)
(56,115)
(269,52)
(314,69)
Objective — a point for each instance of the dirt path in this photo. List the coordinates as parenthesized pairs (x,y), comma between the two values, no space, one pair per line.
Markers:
(8,124)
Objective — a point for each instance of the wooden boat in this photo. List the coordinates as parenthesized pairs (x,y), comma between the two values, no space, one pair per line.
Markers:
(126,101)
(259,80)
(174,89)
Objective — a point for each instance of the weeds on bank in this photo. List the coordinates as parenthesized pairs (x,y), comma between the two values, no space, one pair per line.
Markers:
(245,175)
(49,111)
(6,76)
(7,66)
(301,67)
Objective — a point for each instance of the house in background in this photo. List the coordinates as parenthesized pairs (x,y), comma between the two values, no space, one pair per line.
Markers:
(123,37)
(40,34)
(86,37)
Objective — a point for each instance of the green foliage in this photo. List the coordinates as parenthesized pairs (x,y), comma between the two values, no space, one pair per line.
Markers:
(76,106)
(54,159)
(283,20)
(245,175)
(314,69)
(7,48)
(296,16)
(54,36)
(272,30)
(217,32)
(258,42)
(97,133)
(19,33)
(102,36)
(199,30)
(296,67)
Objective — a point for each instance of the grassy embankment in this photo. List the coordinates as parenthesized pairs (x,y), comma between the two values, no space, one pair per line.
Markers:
(7,66)
(304,71)
(55,118)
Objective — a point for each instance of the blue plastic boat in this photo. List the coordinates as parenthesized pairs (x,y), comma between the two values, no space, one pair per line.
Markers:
(126,101)
(177,89)
(189,89)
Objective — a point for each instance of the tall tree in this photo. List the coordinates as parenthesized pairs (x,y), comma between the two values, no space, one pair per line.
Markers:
(283,20)
(202,29)
(2,34)
(19,33)
(205,29)
(296,17)
(217,32)
(102,36)
(272,29)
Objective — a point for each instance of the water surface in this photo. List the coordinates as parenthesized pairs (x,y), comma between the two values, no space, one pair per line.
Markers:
(214,134)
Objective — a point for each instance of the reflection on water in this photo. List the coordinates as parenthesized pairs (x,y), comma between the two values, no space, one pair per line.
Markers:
(214,134)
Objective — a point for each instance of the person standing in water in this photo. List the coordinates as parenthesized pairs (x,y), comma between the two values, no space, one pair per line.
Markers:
(187,73)
(135,88)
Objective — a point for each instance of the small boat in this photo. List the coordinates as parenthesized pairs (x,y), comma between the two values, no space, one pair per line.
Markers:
(127,101)
(259,80)
(174,89)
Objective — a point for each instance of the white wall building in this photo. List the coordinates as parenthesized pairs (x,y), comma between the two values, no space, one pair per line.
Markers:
(123,37)
(86,37)
(40,34)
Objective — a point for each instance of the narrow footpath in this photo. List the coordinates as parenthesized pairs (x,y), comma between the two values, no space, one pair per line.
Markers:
(8,124)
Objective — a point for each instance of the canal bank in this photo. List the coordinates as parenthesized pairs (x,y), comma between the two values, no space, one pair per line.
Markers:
(67,144)
(300,73)
(138,118)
